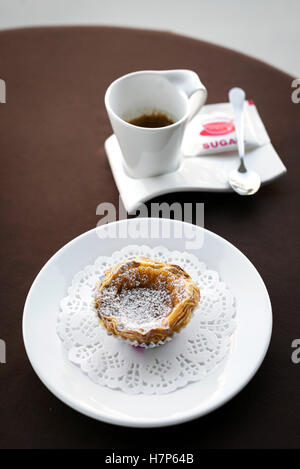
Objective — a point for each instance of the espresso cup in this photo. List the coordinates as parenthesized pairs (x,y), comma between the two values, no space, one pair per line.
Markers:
(179,94)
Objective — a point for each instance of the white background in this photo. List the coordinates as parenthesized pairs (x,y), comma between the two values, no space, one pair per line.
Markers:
(266,29)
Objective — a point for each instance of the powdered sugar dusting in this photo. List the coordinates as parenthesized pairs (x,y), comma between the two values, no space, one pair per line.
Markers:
(138,300)
(136,308)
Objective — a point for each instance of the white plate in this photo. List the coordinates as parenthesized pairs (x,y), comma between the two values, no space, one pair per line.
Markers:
(68,383)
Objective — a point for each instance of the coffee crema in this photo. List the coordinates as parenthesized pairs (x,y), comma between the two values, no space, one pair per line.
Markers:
(153,120)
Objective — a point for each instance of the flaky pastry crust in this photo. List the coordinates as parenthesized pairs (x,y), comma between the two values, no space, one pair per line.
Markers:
(184,293)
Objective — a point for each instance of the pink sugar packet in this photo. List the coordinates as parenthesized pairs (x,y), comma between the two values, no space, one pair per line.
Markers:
(212,130)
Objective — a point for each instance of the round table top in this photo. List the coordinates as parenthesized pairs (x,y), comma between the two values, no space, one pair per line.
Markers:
(55,173)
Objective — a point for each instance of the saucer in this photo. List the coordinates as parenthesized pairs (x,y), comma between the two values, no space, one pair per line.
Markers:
(200,173)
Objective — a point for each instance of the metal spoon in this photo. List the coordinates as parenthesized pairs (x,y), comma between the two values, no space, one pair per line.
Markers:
(242,181)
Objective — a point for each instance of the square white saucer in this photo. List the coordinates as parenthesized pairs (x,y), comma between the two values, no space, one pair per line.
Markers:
(200,173)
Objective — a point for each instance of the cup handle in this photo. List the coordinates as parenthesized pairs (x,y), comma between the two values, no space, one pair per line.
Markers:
(189,83)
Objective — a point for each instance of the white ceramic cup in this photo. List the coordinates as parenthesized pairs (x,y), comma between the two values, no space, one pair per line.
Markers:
(177,93)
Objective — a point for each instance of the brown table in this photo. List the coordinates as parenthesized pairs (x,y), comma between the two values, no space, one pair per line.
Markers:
(54,173)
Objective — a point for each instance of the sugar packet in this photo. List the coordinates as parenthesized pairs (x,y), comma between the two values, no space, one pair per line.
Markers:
(212,130)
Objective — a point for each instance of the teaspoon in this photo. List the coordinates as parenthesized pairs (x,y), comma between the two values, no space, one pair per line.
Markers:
(242,181)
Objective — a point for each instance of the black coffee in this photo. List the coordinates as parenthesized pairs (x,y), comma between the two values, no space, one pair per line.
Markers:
(155,119)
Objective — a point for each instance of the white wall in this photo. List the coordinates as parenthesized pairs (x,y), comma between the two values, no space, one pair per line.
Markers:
(267,29)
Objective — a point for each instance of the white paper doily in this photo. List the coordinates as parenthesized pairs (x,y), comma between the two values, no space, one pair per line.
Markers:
(189,356)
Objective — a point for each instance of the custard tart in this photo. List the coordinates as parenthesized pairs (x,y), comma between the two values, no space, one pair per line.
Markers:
(145,301)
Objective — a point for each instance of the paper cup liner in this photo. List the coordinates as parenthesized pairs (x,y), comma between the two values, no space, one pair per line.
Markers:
(135,343)
(143,345)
